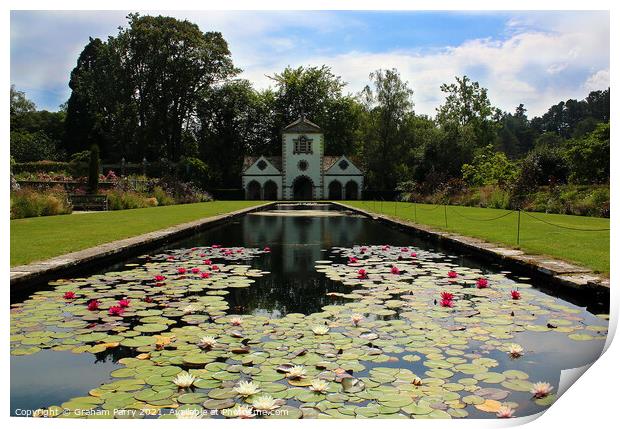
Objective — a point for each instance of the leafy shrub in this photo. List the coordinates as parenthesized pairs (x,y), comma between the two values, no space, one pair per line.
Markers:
(193,170)
(93,169)
(30,203)
(37,146)
(40,167)
(122,200)
(489,168)
(162,197)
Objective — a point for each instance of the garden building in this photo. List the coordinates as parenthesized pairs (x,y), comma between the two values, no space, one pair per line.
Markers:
(303,172)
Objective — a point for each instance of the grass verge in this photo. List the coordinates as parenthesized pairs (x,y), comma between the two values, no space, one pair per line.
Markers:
(36,239)
(577,239)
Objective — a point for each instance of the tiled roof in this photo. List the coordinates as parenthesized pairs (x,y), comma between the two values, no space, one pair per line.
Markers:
(248,161)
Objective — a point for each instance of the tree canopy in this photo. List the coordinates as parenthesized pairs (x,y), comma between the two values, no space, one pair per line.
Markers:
(163,89)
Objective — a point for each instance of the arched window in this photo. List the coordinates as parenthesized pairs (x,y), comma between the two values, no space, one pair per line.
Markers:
(270,190)
(335,190)
(253,191)
(351,190)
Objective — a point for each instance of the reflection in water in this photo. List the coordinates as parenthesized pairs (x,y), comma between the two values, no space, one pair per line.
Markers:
(46,377)
(293,286)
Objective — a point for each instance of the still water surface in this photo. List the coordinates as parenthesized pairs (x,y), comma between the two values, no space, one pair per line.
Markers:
(298,236)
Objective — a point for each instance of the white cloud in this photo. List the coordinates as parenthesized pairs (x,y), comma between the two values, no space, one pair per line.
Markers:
(533,67)
(599,80)
(540,59)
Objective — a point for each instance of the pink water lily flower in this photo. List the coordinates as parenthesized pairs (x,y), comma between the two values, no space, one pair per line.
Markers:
(362,274)
(447,296)
(239,250)
(69,295)
(395,270)
(452,274)
(414,255)
(352,260)
(482,283)
(195,270)
(159,278)
(93,305)
(216,246)
(364,249)
(115,311)
(205,275)
(181,270)
(215,267)
(207,262)
(124,303)
(385,247)
(446,303)
(267,249)
(515,294)
(202,255)
(404,249)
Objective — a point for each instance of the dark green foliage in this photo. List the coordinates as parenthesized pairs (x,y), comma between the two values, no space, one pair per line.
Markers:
(93,169)
(31,203)
(29,147)
(161,89)
(193,170)
(588,156)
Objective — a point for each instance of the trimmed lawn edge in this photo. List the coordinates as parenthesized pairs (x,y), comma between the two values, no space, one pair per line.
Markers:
(559,273)
(24,277)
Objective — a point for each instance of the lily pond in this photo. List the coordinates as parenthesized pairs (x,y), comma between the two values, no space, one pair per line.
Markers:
(296,312)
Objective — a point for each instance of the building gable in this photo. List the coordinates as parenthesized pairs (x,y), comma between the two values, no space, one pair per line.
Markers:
(340,166)
(262,165)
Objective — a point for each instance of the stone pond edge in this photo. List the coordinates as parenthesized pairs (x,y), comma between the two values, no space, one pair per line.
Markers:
(25,277)
(559,273)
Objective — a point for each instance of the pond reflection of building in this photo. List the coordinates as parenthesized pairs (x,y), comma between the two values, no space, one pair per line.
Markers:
(300,239)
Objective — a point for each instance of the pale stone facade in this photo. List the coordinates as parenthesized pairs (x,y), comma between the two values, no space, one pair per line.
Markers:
(302,172)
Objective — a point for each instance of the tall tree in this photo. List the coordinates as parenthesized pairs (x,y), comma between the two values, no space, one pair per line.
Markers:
(153,73)
(388,102)
(318,93)
(467,105)
(232,122)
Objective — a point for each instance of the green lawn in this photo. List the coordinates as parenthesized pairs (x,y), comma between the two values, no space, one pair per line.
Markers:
(586,248)
(35,239)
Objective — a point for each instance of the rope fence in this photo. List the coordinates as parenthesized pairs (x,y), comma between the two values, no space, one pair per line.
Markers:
(453,209)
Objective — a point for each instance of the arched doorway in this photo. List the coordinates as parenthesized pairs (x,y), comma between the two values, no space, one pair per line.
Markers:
(270,190)
(302,188)
(253,191)
(351,190)
(335,190)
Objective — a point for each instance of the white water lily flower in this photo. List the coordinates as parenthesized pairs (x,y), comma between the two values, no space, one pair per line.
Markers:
(515,350)
(505,412)
(265,403)
(320,330)
(207,342)
(319,385)
(541,389)
(184,379)
(298,371)
(356,319)
(246,388)
(236,321)
(191,309)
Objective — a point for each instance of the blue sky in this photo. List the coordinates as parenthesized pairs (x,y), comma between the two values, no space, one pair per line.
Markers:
(535,58)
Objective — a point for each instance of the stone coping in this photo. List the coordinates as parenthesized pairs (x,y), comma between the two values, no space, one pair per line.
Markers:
(27,276)
(558,272)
